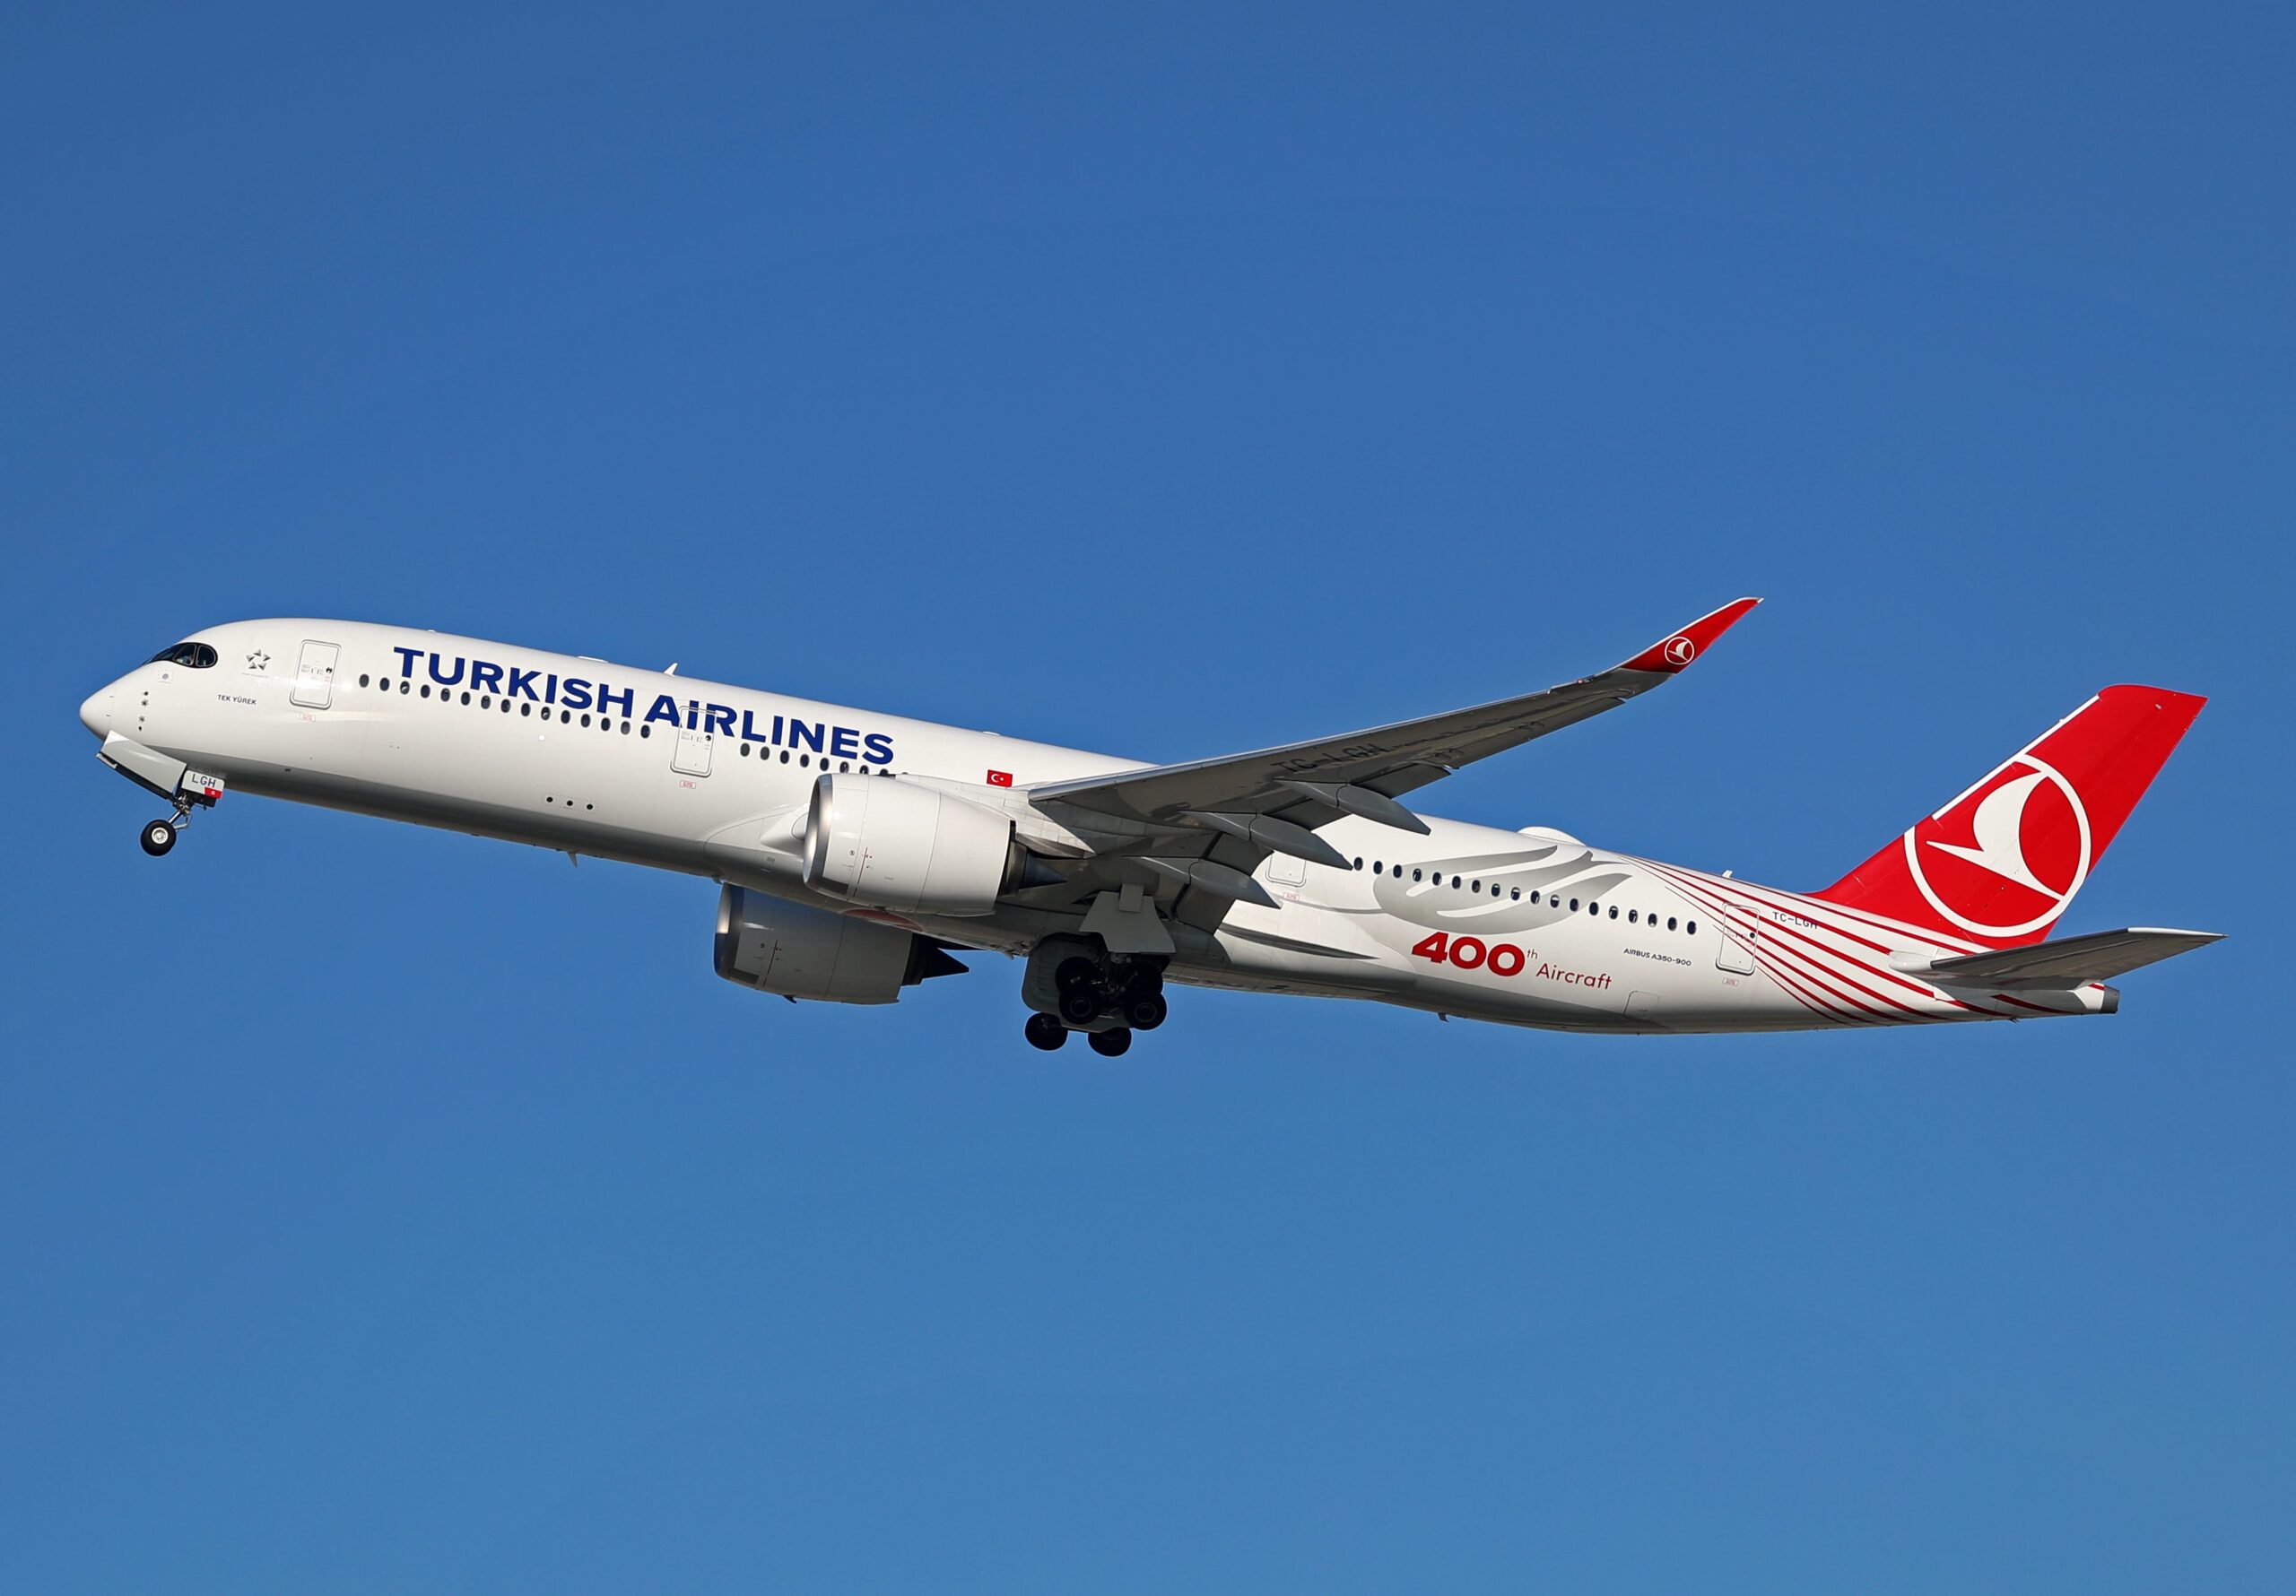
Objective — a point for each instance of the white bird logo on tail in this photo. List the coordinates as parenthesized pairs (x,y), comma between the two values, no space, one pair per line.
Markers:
(1999,827)
(1996,845)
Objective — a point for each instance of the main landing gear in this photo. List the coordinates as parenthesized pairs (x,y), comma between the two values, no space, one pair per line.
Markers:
(1044,1031)
(1106,999)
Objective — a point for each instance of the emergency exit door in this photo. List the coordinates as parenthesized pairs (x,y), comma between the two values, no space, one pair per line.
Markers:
(314,675)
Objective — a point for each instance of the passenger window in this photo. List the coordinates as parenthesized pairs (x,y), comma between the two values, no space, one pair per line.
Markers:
(362,679)
(1518,895)
(1632,916)
(525,709)
(1414,872)
(1670,922)
(1613,911)
(1574,905)
(1692,928)
(1475,886)
(647,730)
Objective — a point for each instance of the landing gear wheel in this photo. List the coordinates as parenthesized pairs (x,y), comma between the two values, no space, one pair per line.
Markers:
(1080,1005)
(159,837)
(1110,1043)
(1075,974)
(1144,1010)
(1046,1032)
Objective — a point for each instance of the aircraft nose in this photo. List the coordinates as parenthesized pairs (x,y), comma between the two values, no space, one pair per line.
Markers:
(96,713)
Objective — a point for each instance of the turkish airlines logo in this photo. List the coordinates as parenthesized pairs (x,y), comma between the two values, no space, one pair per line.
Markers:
(2006,858)
(1681,651)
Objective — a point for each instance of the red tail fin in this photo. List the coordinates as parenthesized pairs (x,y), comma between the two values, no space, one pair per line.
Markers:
(2000,863)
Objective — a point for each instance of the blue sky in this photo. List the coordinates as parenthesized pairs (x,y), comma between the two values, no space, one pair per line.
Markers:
(382,1209)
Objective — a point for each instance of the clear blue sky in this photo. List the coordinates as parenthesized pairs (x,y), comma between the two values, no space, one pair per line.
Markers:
(387,1210)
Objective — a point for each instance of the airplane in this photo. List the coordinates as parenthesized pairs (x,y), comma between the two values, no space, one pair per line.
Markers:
(857,853)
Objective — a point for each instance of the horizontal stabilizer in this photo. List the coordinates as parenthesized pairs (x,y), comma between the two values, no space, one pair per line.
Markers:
(2071,961)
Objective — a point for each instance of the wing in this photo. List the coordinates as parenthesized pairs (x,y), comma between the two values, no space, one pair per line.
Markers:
(1208,823)
(2071,961)
(1387,760)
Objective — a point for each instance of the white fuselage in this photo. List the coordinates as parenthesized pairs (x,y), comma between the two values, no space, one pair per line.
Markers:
(1528,928)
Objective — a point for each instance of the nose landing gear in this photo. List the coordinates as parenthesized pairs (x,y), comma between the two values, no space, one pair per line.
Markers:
(159,773)
(160,836)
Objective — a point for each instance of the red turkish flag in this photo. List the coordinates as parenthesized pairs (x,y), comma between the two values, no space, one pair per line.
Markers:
(1000,778)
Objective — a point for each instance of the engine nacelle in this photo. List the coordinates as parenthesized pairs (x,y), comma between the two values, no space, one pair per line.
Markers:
(886,843)
(786,947)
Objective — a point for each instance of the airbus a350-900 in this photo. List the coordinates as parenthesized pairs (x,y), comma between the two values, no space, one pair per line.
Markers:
(857,852)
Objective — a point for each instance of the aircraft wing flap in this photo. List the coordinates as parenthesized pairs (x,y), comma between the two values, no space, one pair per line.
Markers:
(2071,961)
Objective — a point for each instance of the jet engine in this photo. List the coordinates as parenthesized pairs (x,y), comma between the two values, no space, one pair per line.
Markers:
(799,952)
(892,845)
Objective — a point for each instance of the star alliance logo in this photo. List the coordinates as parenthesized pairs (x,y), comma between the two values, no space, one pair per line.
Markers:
(257,660)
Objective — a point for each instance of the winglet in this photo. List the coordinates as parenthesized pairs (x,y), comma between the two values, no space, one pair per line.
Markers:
(1674,654)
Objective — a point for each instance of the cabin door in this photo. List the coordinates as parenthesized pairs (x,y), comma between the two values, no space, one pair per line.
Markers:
(314,675)
(690,754)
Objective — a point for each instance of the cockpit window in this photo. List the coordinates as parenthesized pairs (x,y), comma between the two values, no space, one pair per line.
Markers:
(198,656)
